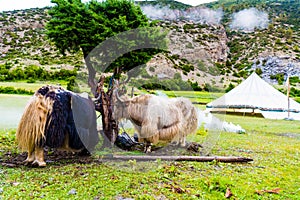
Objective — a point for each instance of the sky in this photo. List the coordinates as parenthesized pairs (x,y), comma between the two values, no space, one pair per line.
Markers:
(8,5)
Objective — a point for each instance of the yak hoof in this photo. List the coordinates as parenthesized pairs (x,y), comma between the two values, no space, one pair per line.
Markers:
(39,163)
(84,152)
(147,149)
(183,145)
(26,162)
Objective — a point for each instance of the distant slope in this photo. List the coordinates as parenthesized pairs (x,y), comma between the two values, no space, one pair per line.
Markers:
(285,11)
(165,3)
(204,53)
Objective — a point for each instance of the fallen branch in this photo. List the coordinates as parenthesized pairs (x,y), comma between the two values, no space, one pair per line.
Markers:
(181,158)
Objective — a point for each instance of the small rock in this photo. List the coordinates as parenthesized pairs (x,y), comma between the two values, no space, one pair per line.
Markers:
(72,191)
(15,183)
(121,198)
(1,190)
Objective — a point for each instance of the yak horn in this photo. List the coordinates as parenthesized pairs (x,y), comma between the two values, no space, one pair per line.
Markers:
(119,98)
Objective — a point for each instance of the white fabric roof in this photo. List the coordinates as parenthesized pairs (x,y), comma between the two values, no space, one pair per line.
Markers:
(255,93)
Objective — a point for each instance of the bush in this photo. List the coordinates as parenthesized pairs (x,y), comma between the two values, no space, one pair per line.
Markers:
(12,90)
(195,86)
(72,85)
(177,76)
(258,71)
(31,80)
(294,79)
(201,66)
(230,87)
(153,83)
(294,92)
(33,72)
(151,69)
(279,77)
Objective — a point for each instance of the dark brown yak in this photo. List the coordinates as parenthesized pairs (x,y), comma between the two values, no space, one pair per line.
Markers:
(56,118)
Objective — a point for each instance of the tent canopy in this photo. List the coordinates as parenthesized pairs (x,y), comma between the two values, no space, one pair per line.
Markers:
(256,94)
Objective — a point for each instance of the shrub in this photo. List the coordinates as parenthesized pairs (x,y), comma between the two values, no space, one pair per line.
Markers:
(201,66)
(230,87)
(151,69)
(12,90)
(177,76)
(294,79)
(31,80)
(258,71)
(72,85)
(279,77)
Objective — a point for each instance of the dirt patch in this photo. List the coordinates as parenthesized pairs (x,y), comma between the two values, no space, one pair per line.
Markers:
(290,135)
(60,158)
(10,159)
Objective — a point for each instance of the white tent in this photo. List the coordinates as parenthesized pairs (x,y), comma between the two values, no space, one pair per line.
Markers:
(254,95)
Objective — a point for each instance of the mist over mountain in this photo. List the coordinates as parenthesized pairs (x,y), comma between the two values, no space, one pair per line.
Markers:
(194,14)
(249,19)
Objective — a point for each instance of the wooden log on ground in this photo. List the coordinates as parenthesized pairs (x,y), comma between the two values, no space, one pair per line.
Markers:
(224,159)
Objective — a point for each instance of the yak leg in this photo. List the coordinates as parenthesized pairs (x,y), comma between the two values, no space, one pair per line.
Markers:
(149,136)
(30,157)
(182,141)
(147,148)
(149,142)
(39,157)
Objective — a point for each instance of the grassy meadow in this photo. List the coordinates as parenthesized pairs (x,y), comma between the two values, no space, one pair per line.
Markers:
(32,86)
(274,146)
(11,109)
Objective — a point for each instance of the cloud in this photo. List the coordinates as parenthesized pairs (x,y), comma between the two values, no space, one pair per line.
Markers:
(196,14)
(204,15)
(195,2)
(163,13)
(249,19)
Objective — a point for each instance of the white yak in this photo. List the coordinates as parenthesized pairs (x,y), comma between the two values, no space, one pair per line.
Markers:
(157,118)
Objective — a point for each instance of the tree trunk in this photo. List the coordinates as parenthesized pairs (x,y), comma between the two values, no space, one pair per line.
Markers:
(225,159)
(91,71)
(105,106)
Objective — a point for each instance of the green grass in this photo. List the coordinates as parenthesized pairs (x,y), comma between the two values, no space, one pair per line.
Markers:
(195,96)
(297,99)
(32,86)
(11,108)
(273,144)
(262,125)
(276,165)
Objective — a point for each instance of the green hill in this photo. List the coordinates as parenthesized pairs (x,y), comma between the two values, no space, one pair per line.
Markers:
(209,55)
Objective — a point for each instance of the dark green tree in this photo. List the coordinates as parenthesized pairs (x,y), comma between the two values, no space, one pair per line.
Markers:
(113,35)
(77,26)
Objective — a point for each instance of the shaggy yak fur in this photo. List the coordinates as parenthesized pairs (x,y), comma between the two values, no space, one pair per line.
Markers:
(56,118)
(158,119)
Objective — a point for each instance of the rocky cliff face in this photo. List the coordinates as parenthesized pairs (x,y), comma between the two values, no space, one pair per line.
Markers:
(23,41)
(274,65)
(198,45)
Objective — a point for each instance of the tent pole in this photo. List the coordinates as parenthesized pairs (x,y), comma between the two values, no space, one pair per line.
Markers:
(288,107)
(288,95)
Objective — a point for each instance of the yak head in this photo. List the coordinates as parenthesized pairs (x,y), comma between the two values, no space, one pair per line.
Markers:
(121,104)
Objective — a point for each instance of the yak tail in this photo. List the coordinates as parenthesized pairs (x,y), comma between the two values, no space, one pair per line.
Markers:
(31,128)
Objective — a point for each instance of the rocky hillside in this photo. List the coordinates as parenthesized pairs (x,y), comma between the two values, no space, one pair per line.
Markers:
(206,46)
(23,41)
(194,48)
